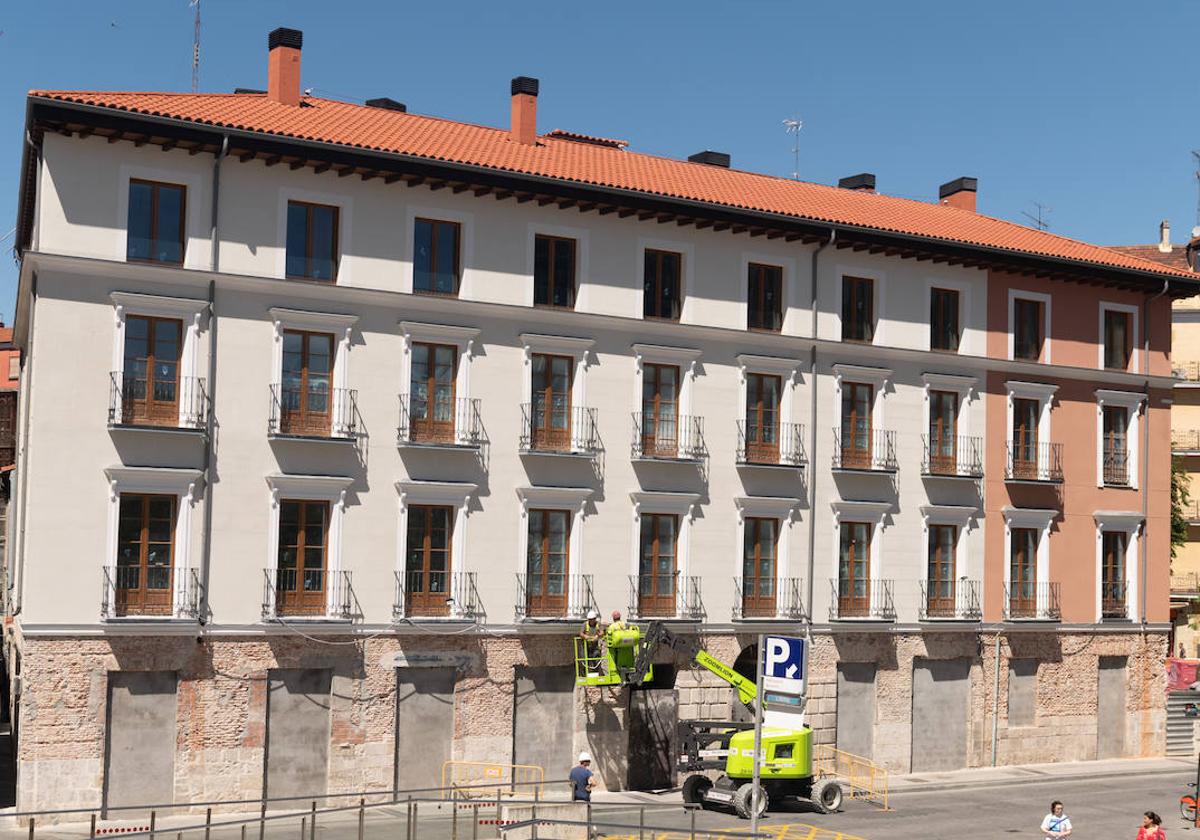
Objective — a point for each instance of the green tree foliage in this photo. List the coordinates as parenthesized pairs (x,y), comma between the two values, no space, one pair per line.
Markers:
(1180,501)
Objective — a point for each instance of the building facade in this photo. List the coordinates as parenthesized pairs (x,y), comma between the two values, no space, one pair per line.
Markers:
(337,419)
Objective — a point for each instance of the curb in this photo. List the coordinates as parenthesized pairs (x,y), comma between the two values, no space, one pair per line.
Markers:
(1032,778)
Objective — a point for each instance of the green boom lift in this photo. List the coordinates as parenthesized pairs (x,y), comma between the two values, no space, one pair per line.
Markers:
(704,745)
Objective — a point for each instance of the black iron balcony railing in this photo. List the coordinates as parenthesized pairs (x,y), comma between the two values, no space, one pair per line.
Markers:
(950,599)
(150,592)
(550,595)
(671,438)
(306,593)
(1115,467)
(960,457)
(434,594)
(1185,440)
(774,444)
(179,403)
(872,451)
(453,422)
(1034,462)
(1114,599)
(1032,601)
(768,597)
(863,598)
(558,430)
(665,596)
(313,412)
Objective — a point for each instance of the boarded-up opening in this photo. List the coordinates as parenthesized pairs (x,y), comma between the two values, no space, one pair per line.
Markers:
(653,714)
(544,719)
(1022,692)
(1110,708)
(856,708)
(424,725)
(139,761)
(941,692)
(297,731)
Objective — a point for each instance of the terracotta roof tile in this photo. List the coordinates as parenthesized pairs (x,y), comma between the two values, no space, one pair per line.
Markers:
(345,124)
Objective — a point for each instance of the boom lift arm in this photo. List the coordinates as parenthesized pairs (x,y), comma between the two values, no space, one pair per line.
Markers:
(658,635)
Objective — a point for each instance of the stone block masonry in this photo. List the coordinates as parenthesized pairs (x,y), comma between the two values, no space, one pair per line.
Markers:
(222,688)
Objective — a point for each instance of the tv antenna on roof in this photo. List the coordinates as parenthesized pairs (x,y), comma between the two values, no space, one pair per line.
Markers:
(1196,155)
(793,125)
(1039,221)
(195,4)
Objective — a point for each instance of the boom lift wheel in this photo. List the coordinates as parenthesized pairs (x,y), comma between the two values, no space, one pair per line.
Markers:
(743,800)
(827,795)
(694,788)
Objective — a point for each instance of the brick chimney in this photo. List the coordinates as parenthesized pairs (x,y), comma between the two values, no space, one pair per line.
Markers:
(1164,236)
(283,65)
(959,193)
(524,110)
(864,182)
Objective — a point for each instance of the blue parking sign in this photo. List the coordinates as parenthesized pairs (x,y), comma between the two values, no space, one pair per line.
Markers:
(783,658)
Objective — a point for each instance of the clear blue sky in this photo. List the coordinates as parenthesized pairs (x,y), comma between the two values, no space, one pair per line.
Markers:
(1088,107)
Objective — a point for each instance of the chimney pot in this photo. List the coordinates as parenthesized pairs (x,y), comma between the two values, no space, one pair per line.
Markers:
(524,110)
(959,193)
(1164,236)
(711,158)
(283,65)
(387,104)
(864,181)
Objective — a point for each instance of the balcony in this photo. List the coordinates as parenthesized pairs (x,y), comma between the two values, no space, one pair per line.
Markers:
(168,405)
(873,451)
(777,445)
(1032,602)
(861,599)
(671,438)
(432,594)
(951,600)
(1113,601)
(1115,467)
(1037,463)
(1186,585)
(1191,511)
(554,596)
(558,430)
(952,457)
(317,413)
(673,596)
(1187,374)
(768,598)
(448,424)
(307,593)
(1185,441)
(152,592)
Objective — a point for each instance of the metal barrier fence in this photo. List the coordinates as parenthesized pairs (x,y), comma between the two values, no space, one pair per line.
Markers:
(861,776)
(460,776)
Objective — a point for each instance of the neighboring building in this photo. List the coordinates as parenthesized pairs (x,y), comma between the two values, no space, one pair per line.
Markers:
(339,418)
(1185,429)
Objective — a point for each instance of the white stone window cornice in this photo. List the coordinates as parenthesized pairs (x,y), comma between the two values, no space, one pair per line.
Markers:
(1128,399)
(451,493)
(788,369)
(189,309)
(863,373)
(462,337)
(1039,518)
(949,382)
(573,498)
(1119,520)
(303,319)
(648,501)
(560,345)
(332,487)
(960,515)
(182,482)
(1042,391)
(658,354)
(778,507)
(873,512)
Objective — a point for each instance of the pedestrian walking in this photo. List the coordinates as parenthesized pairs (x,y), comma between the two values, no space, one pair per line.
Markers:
(582,779)
(1056,825)
(1151,827)
(1182,655)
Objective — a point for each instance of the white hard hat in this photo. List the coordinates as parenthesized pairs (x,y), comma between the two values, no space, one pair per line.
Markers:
(585,756)
(592,614)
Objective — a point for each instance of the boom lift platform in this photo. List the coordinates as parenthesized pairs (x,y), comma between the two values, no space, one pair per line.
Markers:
(786,769)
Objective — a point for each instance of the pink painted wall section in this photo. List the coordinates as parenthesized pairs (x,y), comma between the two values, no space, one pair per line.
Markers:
(1072,556)
(1075,320)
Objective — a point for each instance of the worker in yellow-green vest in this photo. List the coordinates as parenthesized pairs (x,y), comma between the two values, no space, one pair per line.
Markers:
(591,632)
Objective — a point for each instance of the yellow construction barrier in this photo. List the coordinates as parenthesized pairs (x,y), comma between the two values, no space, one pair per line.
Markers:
(861,777)
(464,779)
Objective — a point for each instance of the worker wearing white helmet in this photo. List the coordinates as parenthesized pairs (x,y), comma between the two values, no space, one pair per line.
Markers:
(591,633)
(582,778)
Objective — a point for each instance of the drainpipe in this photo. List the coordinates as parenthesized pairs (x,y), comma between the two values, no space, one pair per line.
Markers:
(210,419)
(812,425)
(1146,452)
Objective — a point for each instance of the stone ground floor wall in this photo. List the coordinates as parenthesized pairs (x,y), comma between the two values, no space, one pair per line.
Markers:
(222,683)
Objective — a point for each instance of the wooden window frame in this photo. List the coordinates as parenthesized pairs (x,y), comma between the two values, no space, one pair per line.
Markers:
(658,254)
(854,290)
(945,336)
(155,186)
(653,442)
(941,572)
(1021,304)
(758,275)
(429,602)
(1022,597)
(544,604)
(147,410)
(754,603)
(545,436)
(336,244)
(321,429)
(304,601)
(854,457)
(554,243)
(162,606)
(942,462)
(852,604)
(427,429)
(435,256)
(655,603)
(1111,561)
(758,449)
(1025,438)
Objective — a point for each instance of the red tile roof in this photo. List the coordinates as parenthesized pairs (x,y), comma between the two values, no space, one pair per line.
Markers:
(1177,257)
(345,124)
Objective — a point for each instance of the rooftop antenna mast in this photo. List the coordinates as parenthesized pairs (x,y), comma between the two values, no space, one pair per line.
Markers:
(793,125)
(1039,221)
(1196,155)
(195,4)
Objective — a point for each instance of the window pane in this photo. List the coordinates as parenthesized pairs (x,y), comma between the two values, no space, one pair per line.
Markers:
(139,245)
(541,271)
(423,256)
(297,239)
(323,264)
(564,273)
(169,241)
(447,258)
(650,284)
